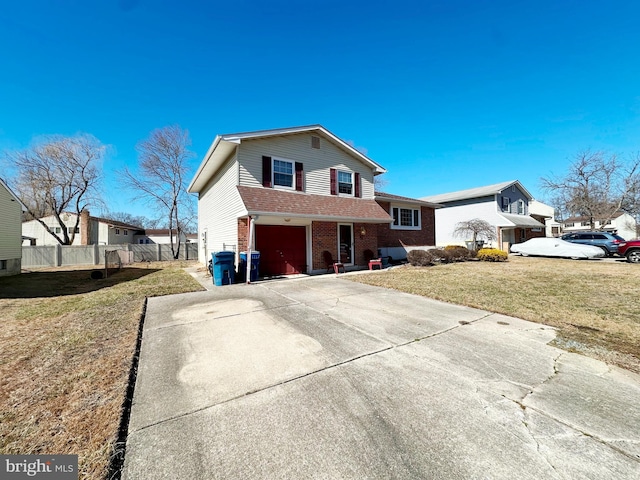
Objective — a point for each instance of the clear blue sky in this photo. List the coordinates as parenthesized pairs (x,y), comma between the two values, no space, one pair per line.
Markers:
(446,95)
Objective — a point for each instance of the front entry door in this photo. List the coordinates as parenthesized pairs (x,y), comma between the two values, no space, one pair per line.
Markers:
(345,243)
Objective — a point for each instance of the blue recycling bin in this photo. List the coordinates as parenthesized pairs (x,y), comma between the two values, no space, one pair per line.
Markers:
(223,268)
(255,264)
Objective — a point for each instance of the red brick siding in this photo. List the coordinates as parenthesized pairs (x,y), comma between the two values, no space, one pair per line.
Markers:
(243,234)
(324,236)
(367,242)
(528,234)
(387,237)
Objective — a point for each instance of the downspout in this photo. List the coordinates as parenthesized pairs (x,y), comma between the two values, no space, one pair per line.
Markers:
(249,248)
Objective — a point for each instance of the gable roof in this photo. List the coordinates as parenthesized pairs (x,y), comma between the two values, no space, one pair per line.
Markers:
(382,196)
(266,201)
(223,146)
(115,223)
(15,197)
(477,192)
(586,219)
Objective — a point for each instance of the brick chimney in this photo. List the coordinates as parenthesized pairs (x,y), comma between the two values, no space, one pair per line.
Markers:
(85,227)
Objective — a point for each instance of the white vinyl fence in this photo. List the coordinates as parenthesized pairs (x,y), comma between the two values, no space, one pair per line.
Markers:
(66,255)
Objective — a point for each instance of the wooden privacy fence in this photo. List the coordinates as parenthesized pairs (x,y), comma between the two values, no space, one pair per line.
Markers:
(65,255)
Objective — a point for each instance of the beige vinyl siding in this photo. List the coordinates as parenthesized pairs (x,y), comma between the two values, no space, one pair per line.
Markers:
(297,148)
(10,226)
(219,206)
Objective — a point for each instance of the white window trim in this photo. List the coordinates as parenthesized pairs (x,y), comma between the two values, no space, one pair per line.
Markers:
(353,186)
(524,207)
(413,208)
(273,173)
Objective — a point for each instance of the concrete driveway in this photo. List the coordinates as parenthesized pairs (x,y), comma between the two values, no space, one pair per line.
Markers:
(324,378)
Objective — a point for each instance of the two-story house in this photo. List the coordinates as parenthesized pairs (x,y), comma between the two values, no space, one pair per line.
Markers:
(294,194)
(504,205)
(11,209)
(87,230)
(621,223)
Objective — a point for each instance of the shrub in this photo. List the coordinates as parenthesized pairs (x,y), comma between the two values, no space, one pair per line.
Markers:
(458,253)
(443,256)
(420,258)
(492,255)
(424,258)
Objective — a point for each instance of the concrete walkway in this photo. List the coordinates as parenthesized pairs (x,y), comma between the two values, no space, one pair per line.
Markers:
(325,378)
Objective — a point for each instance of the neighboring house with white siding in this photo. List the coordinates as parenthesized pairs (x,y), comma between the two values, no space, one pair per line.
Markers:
(292,194)
(11,209)
(504,205)
(160,235)
(621,223)
(545,214)
(90,230)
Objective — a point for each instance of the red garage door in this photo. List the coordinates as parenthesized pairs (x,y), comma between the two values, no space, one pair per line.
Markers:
(283,250)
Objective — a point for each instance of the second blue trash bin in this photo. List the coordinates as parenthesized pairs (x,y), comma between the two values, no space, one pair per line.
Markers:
(223,268)
(255,264)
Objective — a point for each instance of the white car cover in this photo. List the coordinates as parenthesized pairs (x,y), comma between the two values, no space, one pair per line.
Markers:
(556,247)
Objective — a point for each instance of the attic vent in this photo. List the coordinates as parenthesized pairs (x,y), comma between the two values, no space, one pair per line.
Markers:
(315,142)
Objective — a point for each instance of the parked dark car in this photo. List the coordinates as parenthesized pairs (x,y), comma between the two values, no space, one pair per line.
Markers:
(606,241)
(631,250)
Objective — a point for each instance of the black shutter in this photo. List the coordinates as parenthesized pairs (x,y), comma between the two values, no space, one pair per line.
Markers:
(357,182)
(266,171)
(334,181)
(299,177)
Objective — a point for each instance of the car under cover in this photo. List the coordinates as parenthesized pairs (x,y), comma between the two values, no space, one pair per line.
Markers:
(556,247)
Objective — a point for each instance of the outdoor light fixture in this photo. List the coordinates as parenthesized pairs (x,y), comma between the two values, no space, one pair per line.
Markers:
(363,231)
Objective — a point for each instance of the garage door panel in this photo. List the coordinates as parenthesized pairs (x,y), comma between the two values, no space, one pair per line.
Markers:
(282,249)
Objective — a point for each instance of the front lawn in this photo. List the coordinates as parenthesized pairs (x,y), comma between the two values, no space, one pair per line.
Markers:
(66,346)
(595,305)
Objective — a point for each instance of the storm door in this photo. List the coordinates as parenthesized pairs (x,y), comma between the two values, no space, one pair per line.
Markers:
(345,243)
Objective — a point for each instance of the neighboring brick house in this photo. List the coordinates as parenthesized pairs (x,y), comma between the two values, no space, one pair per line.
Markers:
(87,230)
(297,192)
(504,205)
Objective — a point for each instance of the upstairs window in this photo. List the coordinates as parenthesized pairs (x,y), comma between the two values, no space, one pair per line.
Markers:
(520,207)
(282,173)
(345,182)
(505,204)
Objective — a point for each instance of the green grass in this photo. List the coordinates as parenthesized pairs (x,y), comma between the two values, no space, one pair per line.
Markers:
(594,305)
(65,352)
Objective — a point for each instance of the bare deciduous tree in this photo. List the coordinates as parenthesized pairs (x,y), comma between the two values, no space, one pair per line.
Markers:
(59,174)
(380,183)
(596,186)
(477,228)
(160,178)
